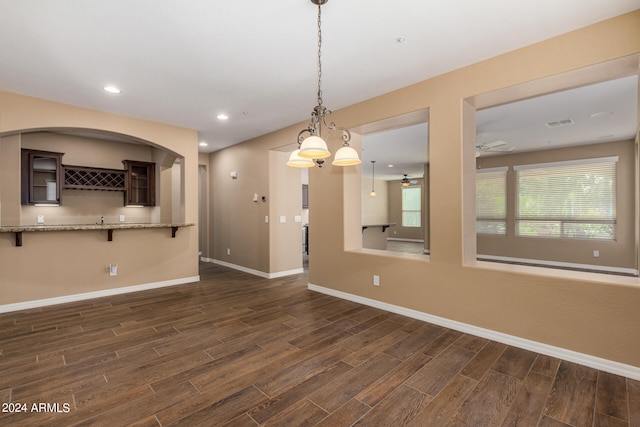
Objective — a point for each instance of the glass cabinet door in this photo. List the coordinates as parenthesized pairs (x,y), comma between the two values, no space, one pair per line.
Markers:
(41,177)
(140,183)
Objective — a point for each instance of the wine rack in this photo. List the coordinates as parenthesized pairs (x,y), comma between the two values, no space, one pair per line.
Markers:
(86,178)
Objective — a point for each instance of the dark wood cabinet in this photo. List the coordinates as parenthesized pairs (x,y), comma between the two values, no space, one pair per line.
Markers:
(41,177)
(140,183)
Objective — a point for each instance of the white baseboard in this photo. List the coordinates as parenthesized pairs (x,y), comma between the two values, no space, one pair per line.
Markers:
(571,265)
(96,294)
(252,271)
(616,368)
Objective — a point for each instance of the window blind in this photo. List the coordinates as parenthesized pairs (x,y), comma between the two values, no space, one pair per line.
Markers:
(575,200)
(491,201)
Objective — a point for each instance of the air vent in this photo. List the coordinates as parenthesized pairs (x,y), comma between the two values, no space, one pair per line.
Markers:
(559,123)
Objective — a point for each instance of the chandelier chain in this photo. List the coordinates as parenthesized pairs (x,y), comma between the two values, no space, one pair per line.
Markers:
(312,149)
(319,54)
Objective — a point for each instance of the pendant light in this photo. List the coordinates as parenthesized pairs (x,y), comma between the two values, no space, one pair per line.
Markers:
(312,148)
(373,179)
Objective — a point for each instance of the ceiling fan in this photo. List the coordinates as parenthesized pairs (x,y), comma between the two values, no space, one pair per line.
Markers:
(407,182)
(498,146)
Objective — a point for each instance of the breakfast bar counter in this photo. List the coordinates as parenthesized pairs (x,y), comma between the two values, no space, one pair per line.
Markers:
(109,228)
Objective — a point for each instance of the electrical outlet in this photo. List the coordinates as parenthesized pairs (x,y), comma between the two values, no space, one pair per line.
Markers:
(228,251)
(113,270)
(376,280)
(596,253)
(121,218)
(40,219)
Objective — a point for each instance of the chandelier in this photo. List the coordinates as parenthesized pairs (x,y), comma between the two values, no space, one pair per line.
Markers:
(312,149)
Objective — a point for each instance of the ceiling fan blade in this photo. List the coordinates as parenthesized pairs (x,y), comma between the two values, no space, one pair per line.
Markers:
(502,149)
(498,143)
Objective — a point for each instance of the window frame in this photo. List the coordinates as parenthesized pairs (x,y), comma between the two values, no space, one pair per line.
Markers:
(417,187)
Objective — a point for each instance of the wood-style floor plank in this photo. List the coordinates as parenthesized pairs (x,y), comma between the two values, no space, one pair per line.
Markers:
(489,402)
(376,392)
(238,350)
(633,392)
(530,401)
(573,395)
(611,397)
(436,374)
(346,415)
(442,408)
(398,409)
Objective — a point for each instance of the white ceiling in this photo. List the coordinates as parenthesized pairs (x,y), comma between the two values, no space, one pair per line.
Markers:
(184,62)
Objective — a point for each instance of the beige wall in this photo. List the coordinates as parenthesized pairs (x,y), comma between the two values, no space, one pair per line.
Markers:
(285,238)
(619,253)
(239,234)
(587,313)
(58,264)
(375,210)
(204,204)
(10,195)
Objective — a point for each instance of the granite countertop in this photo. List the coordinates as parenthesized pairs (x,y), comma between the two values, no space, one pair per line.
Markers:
(81,227)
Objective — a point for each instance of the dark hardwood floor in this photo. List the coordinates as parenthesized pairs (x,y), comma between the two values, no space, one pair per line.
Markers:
(238,350)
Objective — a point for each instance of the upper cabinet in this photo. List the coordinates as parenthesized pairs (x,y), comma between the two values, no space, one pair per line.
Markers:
(41,172)
(139,183)
(43,177)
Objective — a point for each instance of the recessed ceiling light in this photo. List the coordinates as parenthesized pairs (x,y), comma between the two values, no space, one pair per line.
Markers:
(401,39)
(203,144)
(389,166)
(222,117)
(112,89)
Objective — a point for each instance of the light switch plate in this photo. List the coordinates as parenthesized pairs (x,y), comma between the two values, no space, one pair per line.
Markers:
(283,219)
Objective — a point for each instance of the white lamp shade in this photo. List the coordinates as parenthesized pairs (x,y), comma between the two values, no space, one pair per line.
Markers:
(314,147)
(298,162)
(346,156)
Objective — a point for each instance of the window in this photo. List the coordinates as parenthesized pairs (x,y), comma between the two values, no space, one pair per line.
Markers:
(571,200)
(411,206)
(491,201)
